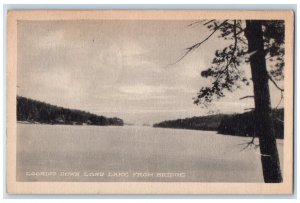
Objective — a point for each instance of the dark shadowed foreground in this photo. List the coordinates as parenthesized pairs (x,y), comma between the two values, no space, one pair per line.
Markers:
(131,153)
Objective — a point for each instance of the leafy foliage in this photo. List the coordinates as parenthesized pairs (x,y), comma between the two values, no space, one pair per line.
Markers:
(225,68)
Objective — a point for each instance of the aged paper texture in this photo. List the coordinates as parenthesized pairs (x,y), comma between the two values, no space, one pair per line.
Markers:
(150,102)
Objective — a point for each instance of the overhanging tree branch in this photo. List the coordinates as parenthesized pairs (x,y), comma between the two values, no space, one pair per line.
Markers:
(195,22)
(249,144)
(235,36)
(195,46)
(276,85)
(208,22)
(243,41)
(245,97)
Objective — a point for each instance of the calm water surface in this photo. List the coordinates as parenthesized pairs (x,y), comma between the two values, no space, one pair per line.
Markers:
(131,153)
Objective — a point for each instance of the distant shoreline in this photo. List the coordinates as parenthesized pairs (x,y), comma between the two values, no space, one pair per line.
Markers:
(226,124)
(32,111)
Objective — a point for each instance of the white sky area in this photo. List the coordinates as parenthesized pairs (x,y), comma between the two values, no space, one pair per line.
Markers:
(121,68)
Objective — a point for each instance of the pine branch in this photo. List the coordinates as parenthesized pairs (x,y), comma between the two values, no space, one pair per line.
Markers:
(238,26)
(249,144)
(195,22)
(245,97)
(235,37)
(208,22)
(243,41)
(195,46)
(276,85)
(241,31)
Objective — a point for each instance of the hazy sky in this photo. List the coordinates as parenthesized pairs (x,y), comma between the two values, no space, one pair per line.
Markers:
(120,68)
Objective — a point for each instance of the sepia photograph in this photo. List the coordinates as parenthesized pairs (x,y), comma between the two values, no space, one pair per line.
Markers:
(160,100)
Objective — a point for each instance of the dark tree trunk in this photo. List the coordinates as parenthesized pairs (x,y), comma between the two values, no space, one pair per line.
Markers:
(263,120)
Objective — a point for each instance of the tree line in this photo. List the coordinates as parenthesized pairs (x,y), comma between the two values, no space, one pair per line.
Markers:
(40,112)
(231,124)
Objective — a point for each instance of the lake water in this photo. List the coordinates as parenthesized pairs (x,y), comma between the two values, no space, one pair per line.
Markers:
(131,153)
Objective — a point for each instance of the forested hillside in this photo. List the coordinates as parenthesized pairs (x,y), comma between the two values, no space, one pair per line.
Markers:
(196,123)
(231,124)
(244,124)
(40,112)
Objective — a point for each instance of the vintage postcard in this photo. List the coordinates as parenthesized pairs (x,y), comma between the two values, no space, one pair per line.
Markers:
(150,102)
